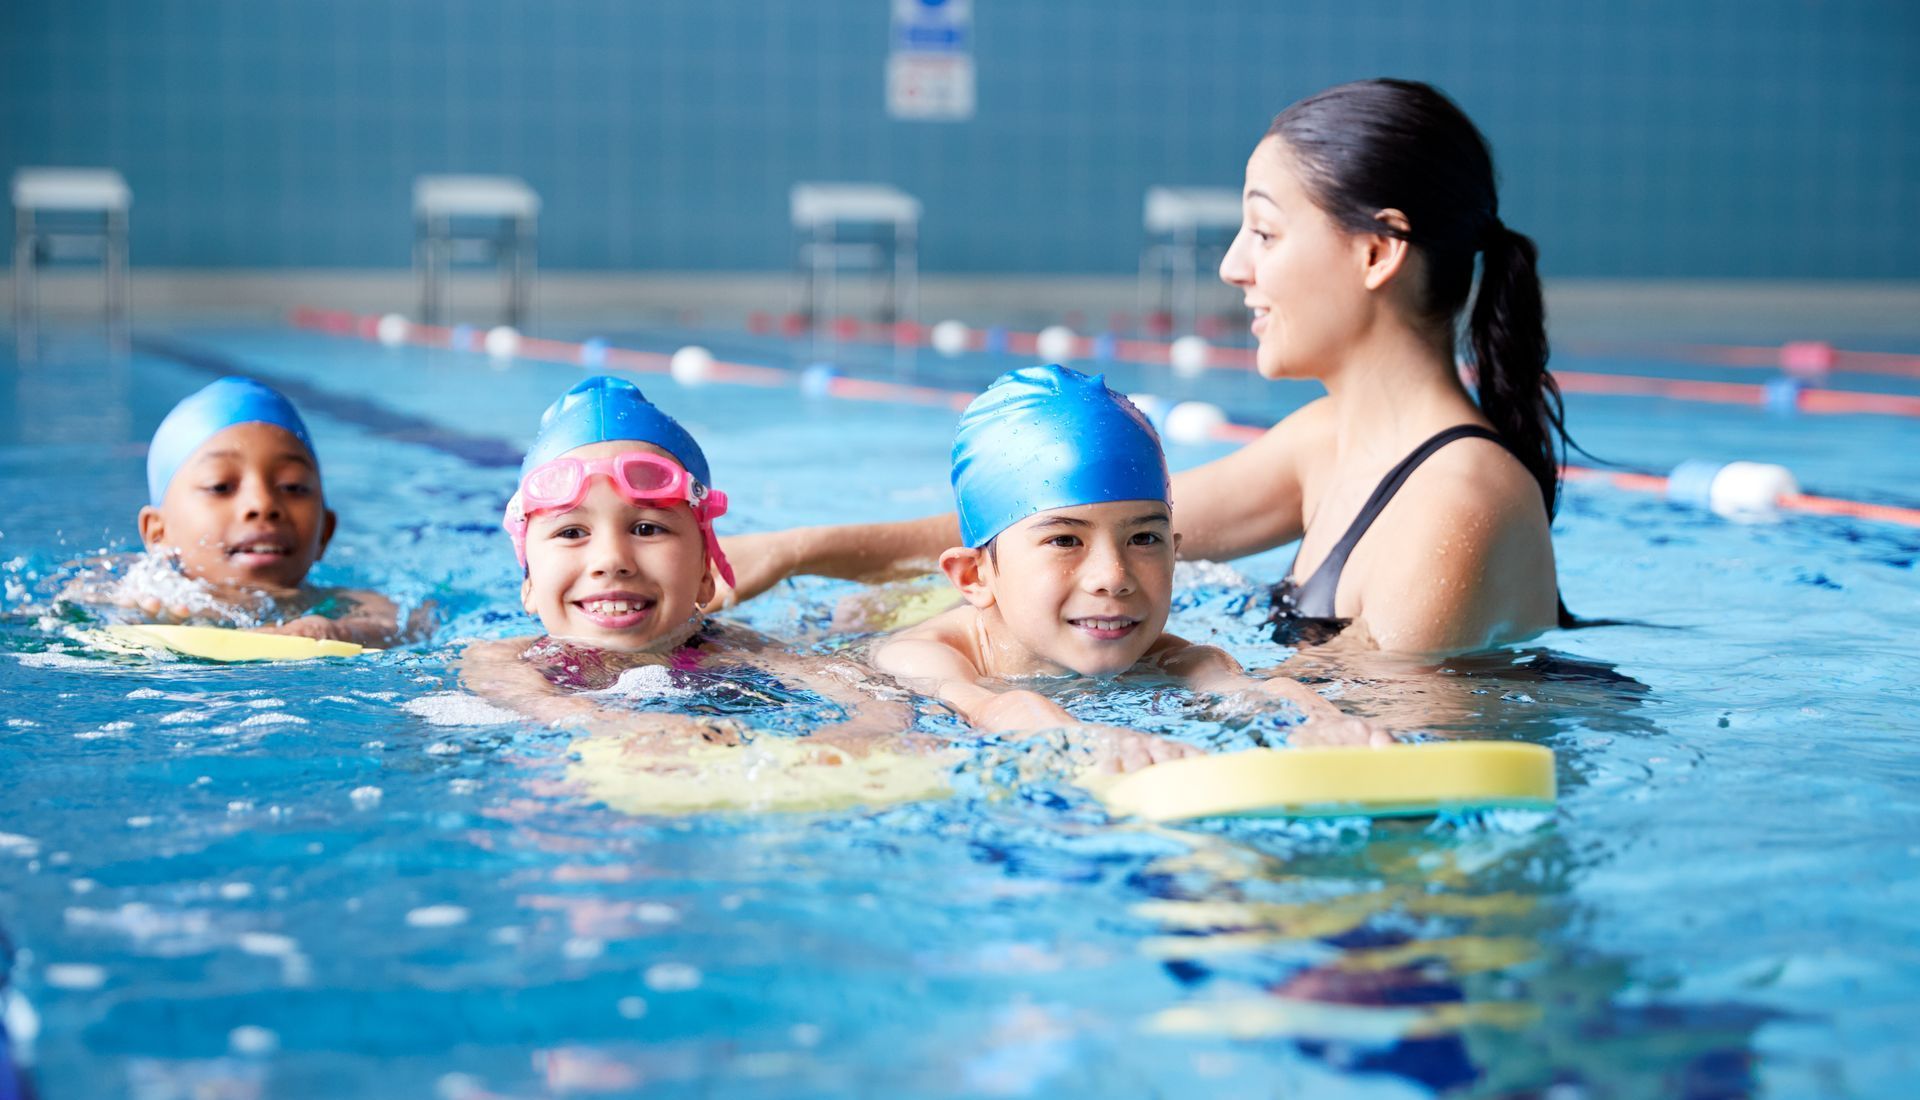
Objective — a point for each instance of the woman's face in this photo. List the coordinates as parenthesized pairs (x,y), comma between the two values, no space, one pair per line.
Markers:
(1302,274)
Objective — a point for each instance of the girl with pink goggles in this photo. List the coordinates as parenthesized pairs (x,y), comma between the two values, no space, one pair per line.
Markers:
(642,477)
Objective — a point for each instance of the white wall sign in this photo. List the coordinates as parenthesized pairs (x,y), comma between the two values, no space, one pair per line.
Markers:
(930,60)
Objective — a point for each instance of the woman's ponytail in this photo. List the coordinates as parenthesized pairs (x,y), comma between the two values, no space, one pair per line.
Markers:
(1377,145)
(1508,335)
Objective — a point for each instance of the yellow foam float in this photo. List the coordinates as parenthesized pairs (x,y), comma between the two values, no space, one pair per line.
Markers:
(1396,781)
(770,775)
(218,643)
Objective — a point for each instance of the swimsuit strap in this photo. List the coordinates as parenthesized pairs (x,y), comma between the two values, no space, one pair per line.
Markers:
(1314,598)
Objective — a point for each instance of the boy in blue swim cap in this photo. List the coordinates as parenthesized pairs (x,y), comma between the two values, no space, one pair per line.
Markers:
(612,525)
(1066,567)
(236,506)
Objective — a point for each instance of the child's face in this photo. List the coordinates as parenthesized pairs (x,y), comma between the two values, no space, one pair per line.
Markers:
(612,573)
(1085,588)
(243,511)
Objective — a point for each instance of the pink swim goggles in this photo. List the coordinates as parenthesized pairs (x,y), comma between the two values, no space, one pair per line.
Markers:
(640,476)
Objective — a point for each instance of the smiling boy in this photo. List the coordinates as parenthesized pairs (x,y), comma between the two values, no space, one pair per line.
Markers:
(1067,568)
(236,504)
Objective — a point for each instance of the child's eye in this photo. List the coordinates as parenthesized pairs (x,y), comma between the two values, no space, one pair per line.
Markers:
(1065,542)
(571,531)
(296,488)
(1264,237)
(220,488)
(647,530)
(1147,538)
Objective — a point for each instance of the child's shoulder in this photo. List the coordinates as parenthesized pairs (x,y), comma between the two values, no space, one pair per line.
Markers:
(943,645)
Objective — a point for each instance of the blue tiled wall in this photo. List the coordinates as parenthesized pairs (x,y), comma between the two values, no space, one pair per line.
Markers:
(1641,138)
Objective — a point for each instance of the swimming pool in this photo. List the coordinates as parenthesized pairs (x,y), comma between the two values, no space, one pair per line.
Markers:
(351,879)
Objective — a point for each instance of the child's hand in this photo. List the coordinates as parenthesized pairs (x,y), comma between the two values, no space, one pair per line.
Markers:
(317,627)
(1340,730)
(157,610)
(1117,749)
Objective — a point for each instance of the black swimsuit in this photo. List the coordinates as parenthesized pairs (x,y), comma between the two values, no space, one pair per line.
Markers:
(1303,613)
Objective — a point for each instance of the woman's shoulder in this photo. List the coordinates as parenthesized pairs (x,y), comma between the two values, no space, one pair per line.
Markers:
(1481,476)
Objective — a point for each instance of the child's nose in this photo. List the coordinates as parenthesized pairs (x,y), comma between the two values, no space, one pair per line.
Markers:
(261,503)
(611,558)
(1106,574)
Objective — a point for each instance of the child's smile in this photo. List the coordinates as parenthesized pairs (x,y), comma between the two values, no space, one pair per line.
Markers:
(244,511)
(1085,589)
(613,573)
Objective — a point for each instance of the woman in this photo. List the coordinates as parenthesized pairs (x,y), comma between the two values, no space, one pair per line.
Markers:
(1422,513)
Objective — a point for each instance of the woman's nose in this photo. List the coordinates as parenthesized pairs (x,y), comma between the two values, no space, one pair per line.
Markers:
(1235,269)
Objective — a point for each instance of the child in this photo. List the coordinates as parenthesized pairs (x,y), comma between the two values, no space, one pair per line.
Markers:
(1067,567)
(236,508)
(613,528)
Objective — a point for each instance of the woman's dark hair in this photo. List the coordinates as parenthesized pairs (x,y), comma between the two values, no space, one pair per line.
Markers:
(1375,145)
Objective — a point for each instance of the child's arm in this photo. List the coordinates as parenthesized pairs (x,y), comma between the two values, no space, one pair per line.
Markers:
(945,673)
(872,721)
(1211,669)
(868,552)
(495,672)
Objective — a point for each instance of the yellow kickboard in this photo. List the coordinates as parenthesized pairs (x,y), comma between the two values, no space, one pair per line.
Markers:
(1337,781)
(217,643)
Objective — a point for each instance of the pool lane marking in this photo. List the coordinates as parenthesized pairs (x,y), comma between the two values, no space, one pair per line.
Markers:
(858,389)
(377,420)
(1757,357)
(1810,400)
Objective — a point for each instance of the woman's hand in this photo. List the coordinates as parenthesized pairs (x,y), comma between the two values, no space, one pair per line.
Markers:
(759,561)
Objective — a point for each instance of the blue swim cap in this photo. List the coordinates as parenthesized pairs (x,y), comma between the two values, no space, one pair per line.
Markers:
(602,408)
(217,407)
(1050,437)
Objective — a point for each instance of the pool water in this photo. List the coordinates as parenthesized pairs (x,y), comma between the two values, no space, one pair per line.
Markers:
(354,879)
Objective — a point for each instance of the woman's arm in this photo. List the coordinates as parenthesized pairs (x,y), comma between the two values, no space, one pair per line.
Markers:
(1250,500)
(869,552)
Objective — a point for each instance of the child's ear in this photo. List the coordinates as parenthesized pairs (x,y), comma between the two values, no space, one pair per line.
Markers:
(962,565)
(708,589)
(526,595)
(153,526)
(326,533)
(1176,544)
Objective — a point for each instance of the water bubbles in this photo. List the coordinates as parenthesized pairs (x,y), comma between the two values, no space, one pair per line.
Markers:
(268,944)
(453,708)
(251,1039)
(673,977)
(365,798)
(76,976)
(437,916)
